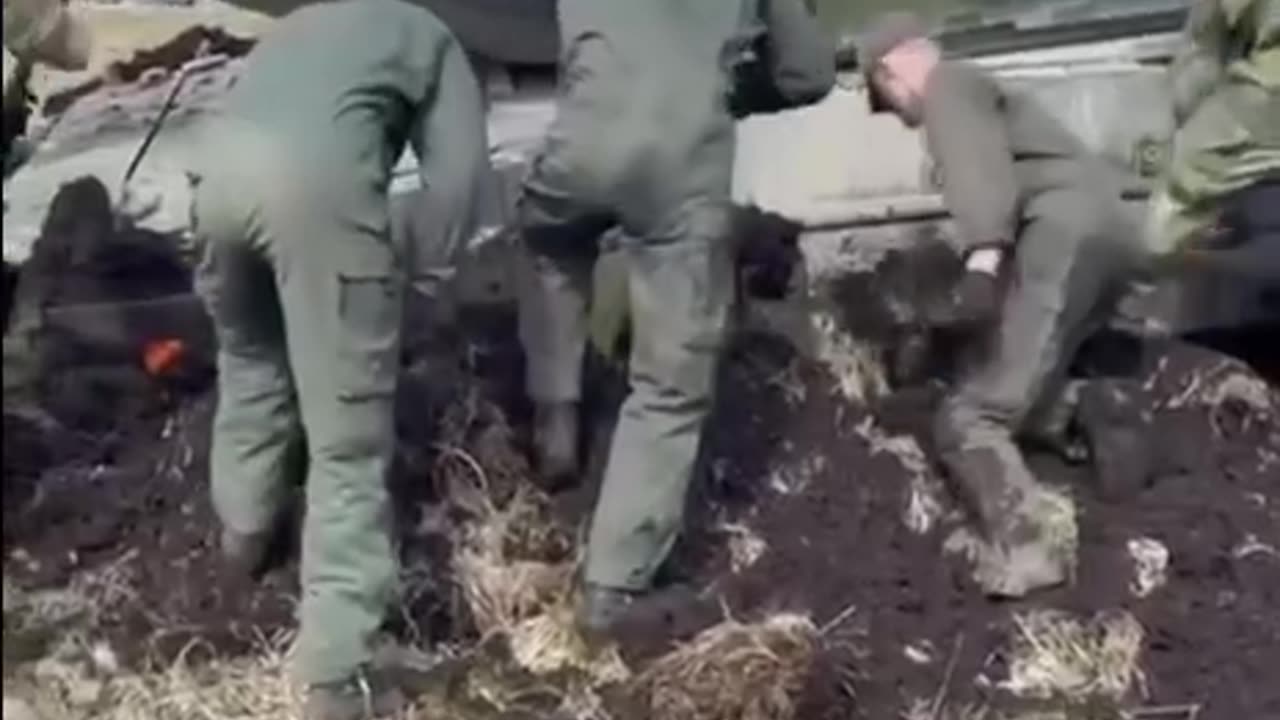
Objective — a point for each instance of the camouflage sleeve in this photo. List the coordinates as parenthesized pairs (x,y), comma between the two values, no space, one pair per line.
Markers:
(451,142)
(1198,63)
(802,55)
(965,135)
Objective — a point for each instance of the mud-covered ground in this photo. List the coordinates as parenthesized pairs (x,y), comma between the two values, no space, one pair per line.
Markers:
(804,473)
(807,504)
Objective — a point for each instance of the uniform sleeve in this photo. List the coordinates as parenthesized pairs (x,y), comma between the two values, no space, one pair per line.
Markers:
(1197,64)
(964,131)
(451,142)
(802,55)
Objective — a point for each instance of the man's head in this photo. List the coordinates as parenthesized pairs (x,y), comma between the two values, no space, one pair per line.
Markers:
(897,57)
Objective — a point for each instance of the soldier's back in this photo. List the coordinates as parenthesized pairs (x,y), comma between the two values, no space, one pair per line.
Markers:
(341,82)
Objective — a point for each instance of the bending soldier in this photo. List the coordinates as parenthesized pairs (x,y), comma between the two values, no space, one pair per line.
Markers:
(644,139)
(305,287)
(1040,225)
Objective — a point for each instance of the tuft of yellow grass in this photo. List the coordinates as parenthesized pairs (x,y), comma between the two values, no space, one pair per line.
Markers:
(733,671)
(68,686)
(860,375)
(1058,656)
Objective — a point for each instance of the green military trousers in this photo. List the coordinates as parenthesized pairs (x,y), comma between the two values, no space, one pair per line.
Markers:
(307,303)
(1067,273)
(642,140)
(679,294)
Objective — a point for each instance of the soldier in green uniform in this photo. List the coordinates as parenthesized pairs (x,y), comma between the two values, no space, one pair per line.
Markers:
(1225,82)
(35,31)
(305,286)
(1039,223)
(644,139)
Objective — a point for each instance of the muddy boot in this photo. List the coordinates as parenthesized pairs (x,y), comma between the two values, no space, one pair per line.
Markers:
(1027,535)
(601,609)
(364,697)
(1110,417)
(1032,550)
(556,443)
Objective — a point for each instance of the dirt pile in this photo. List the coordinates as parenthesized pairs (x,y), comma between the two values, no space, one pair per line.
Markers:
(813,570)
(836,508)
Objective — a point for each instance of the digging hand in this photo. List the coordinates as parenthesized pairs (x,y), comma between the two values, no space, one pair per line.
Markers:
(972,303)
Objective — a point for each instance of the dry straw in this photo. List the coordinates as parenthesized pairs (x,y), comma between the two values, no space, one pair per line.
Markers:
(733,671)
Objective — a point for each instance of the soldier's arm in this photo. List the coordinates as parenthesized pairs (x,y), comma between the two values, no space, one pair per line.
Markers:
(451,142)
(1197,65)
(965,135)
(802,56)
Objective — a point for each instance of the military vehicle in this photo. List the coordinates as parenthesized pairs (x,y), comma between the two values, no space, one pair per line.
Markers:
(861,184)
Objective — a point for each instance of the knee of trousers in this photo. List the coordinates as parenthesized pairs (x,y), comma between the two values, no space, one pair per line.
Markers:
(355,430)
(680,383)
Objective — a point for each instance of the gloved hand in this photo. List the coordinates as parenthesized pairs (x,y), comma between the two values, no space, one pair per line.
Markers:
(767,251)
(974,301)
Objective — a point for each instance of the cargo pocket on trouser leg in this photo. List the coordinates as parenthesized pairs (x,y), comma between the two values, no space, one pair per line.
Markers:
(369,311)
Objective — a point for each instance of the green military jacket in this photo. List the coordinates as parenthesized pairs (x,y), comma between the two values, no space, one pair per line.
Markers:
(995,152)
(1225,82)
(342,87)
(1226,41)
(659,102)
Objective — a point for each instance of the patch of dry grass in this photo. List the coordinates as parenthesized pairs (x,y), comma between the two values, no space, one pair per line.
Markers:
(74,683)
(1058,656)
(514,565)
(926,709)
(745,545)
(860,376)
(1150,565)
(733,671)
(499,585)
(550,643)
